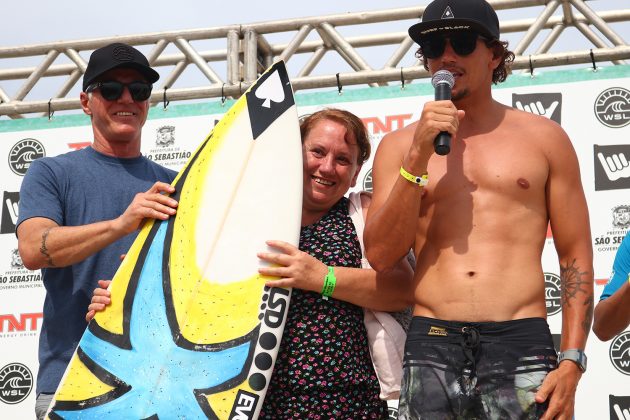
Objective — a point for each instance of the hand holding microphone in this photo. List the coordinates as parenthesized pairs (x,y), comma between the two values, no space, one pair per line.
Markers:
(443,82)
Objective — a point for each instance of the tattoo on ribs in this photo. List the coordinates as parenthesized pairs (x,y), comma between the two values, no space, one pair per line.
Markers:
(44,249)
(572,282)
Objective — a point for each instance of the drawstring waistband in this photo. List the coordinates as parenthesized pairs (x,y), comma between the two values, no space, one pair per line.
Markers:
(470,343)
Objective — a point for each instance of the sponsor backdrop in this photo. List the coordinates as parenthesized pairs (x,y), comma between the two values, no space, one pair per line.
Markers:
(593,107)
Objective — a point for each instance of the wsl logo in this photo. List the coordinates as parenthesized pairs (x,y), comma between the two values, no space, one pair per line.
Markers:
(367,181)
(553,294)
(620,353)
(16,383)
(23,153)
(612,107)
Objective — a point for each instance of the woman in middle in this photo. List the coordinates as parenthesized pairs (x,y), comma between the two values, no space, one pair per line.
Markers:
(324,369)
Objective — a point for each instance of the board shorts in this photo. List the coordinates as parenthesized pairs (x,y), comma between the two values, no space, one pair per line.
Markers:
(481,370)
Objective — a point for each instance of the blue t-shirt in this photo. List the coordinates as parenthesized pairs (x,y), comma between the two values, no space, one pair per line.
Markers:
(621,269)
(74,189)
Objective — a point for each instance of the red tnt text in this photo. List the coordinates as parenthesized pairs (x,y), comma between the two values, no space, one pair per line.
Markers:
(392,122)
(27,322)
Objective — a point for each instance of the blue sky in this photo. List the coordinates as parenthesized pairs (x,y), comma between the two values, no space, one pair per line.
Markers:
(42,21)
(30,22)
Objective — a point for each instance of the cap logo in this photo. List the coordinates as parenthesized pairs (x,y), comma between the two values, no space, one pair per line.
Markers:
(448,13)
(122,53)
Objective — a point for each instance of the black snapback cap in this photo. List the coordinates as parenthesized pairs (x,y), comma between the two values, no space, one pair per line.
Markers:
(457,15)
(117,55)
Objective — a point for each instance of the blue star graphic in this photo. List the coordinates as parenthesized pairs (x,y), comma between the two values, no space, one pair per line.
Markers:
(162,376)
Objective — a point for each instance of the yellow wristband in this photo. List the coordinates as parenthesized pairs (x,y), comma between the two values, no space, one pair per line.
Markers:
(330,281)
(418,180)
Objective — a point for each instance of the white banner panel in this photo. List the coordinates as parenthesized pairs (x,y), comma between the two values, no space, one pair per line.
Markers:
(593,108)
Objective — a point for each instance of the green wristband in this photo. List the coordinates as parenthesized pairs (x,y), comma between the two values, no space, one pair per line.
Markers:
(329,284)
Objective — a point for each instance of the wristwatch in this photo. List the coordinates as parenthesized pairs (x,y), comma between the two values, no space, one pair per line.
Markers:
(575,355)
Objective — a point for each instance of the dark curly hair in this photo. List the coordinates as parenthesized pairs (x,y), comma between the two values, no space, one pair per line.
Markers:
(500,49)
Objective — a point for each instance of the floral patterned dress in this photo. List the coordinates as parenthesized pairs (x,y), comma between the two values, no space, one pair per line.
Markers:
(324,370)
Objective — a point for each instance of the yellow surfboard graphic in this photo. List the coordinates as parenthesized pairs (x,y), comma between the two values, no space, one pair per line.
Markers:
(191,331)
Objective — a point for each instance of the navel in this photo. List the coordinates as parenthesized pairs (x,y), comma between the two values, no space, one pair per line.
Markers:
(523,183)
(471,274)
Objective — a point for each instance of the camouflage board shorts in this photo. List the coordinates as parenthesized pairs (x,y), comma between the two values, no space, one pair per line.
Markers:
(481,370)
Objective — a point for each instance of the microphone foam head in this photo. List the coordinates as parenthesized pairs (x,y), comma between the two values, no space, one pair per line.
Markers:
(443,76)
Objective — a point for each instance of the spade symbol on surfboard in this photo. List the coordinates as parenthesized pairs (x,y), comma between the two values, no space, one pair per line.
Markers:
(270,99)
(271,90)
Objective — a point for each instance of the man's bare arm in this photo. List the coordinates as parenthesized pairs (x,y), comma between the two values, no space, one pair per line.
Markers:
(393,215)
(43,243)
(568,214)
(392,220)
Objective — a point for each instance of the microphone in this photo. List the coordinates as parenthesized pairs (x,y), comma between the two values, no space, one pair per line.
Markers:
(442,81)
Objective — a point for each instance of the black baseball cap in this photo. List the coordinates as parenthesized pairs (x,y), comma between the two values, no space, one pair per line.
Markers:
(117,55)
(457,15)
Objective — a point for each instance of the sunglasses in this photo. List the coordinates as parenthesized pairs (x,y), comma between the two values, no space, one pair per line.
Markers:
(463,43)
(112,90)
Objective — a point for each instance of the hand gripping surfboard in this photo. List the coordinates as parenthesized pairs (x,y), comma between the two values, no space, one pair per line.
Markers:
(192,332)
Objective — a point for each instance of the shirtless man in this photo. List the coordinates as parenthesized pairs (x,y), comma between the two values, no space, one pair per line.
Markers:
(479,345)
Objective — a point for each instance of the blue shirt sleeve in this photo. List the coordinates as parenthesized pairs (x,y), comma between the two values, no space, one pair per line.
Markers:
(40,193)
(621,269)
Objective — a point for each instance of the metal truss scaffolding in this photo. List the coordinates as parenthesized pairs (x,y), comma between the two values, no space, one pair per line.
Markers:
(246,50)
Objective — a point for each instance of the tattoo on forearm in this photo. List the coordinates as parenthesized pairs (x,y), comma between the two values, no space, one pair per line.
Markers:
(572,282)
(588,316)
(44,249)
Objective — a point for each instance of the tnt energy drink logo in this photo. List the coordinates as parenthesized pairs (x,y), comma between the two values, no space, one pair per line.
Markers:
(378,127)
(619,407)
(548,105)
(23,153)
(16,383)
(553,294)
(612,107)
(620,352)
(10,201)
(612,168)
(25,324)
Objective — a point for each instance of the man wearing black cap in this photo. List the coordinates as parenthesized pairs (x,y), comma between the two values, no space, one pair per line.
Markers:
(479,345)
(81,210)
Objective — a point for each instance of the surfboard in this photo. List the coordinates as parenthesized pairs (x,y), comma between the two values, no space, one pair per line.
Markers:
(192,332)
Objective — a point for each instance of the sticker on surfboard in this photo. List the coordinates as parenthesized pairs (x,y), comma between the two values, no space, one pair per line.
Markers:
(192,332)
